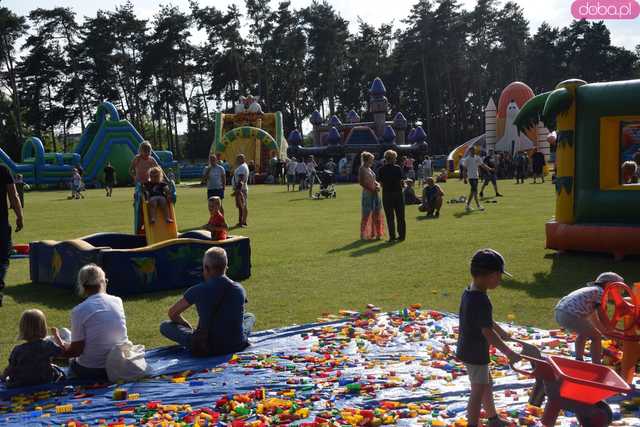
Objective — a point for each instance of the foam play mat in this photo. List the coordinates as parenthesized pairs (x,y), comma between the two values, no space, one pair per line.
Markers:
(366,368)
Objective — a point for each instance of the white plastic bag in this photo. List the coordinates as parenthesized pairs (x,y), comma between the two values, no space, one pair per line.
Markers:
(126,362)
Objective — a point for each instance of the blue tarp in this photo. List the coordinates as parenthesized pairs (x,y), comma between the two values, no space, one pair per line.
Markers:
(404,357)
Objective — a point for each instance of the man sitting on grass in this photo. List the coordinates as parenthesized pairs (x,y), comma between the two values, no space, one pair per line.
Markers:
(431,198)
(223,325)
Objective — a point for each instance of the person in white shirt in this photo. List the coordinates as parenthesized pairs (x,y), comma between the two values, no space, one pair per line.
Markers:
(291,173)
(98,324)
(343,164)
(301,174)
(311,173)
(241,189)
(427,169)
(472,164)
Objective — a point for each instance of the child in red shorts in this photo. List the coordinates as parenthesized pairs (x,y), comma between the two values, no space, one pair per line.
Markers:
(217,225)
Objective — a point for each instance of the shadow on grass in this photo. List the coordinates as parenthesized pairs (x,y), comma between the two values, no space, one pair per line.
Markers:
(373,249)
(425,217)
(66,299)
(570,271)
(353,245)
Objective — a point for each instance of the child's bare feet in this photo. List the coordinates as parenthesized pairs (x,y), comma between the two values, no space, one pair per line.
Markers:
(152,220)
(169,220)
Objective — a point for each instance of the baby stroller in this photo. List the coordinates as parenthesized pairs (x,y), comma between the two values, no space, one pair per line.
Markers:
(327,187)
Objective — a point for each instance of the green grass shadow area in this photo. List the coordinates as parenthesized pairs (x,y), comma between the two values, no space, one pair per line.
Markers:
(307,258)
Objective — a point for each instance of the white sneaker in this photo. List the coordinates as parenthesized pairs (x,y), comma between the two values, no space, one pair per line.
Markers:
(480,208)
(468,208)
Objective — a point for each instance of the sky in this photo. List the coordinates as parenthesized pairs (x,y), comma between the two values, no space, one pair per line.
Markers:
(556,12)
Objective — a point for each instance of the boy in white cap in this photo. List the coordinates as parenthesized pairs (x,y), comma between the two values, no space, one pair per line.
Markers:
(577,312)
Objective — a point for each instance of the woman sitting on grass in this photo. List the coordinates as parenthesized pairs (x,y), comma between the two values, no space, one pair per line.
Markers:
(97,325)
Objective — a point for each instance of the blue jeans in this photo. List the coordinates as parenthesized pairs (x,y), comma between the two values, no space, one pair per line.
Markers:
(5,248)
(182,335)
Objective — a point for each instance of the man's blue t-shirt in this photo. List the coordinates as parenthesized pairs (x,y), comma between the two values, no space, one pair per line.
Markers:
(475,314)
(221,301)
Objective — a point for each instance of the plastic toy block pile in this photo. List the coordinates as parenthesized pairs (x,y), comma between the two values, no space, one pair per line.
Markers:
(357,368)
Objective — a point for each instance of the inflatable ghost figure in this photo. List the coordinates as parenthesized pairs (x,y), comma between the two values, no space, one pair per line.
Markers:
(248,104)
(512,141)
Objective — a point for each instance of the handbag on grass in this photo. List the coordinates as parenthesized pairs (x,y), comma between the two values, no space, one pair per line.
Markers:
(126,362)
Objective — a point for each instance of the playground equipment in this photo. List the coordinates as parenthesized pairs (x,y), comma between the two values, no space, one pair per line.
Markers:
(106,139)
(159,231)
(133,266)
(257,135)
(624,323)
(501,135)
(334,138)
(572,385)
(598,128)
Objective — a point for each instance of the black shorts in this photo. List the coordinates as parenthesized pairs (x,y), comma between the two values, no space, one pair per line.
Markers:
(215,192)
(473,183)
(490,178)
(108,183)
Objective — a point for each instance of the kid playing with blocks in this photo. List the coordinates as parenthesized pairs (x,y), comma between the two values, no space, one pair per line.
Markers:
(478,331)
(577,312)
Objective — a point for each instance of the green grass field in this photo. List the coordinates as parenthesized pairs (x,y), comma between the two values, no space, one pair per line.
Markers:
(308,259)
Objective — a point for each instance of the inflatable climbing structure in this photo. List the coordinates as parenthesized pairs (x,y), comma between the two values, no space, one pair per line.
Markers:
(598,128)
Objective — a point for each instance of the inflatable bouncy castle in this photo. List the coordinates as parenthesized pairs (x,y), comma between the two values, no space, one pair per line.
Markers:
(501,134)
(598,129)
(249,131)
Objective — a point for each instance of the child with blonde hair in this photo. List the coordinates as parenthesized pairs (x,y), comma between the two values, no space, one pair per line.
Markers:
(142,163)
(157,194)
(217,224)
(30,363)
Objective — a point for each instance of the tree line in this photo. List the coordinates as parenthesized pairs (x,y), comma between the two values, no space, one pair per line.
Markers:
(440,66)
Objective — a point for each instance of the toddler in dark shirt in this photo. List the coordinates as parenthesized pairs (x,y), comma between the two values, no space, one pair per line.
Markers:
(30,363)
(477,330)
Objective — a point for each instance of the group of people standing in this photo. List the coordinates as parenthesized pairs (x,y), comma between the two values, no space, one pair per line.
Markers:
(390,179)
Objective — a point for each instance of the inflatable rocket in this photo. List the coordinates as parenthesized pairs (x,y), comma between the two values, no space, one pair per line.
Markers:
(512,141)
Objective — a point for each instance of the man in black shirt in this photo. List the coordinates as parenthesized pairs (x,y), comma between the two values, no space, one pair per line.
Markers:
(109,178)
(477,330)
(390,177)
(490,176)
(7,190)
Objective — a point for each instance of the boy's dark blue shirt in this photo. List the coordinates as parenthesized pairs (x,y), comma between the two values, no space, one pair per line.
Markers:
(475,314)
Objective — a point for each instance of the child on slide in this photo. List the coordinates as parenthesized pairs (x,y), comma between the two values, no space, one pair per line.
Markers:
(157,194)
(577,312)
(217,224)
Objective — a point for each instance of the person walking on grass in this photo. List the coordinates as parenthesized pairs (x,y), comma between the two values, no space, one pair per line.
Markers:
(472,164)
(390,176)
(109,178)
(8,199)
(490,177)
(537,164)
(291,166)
